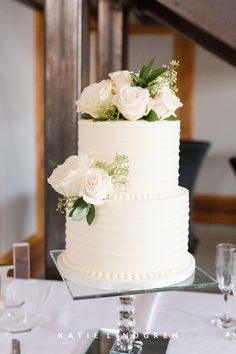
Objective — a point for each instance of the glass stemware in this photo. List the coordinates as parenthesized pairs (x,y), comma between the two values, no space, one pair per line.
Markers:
(9,318)
(231,334)
(225,272)
(4,269)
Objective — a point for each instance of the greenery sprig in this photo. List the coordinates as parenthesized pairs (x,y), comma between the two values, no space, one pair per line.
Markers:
(168,78)
(148,74)
(65,203)
(118,169)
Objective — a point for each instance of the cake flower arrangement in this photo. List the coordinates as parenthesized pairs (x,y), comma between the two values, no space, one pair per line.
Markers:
(150,95)
(84,183)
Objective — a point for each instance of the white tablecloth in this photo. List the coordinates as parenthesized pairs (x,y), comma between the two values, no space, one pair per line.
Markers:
(185,313)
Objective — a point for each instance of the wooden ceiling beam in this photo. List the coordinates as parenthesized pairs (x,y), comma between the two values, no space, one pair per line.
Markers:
(35,4)
(210,24)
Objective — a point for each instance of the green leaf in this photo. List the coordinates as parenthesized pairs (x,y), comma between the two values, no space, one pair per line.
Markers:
(156,73)
(100,119)
(80,203)
(53,164)
(71,212)
(171,118)
(142,82)
(142,71)
(86,116)
(91,214)
(148,69)
(138,80)
(135,78)
(151,117)
(80,213)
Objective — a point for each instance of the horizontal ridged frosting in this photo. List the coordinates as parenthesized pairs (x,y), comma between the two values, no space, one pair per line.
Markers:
(152,149)
(129,237)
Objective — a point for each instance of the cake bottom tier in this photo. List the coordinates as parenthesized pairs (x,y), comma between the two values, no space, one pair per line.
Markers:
(131,242)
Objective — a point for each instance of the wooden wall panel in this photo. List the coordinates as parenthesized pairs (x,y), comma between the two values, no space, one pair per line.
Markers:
(38,239)
(185,53)
(35,4)
(63,72)
(217,209)
(112,38)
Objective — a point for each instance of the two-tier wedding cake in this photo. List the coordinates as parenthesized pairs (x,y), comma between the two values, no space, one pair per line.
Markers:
(127,174)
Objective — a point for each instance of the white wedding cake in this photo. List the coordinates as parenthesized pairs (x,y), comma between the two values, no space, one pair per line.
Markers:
(139,236)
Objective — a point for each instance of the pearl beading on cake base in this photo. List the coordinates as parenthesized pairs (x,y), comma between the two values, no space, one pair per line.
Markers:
(185,277)
(125,276)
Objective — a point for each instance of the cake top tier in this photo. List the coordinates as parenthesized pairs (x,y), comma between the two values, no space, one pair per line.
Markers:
(151,147)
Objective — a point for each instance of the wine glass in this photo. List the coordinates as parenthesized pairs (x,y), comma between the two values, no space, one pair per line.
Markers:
(30,315)
(4,269)
(9,320)
(225,272)
(232,333)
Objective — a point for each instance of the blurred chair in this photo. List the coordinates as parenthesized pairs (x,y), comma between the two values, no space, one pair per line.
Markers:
(192,154)
(232,161)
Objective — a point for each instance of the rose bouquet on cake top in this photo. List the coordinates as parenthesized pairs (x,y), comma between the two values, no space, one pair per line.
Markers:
(150,95)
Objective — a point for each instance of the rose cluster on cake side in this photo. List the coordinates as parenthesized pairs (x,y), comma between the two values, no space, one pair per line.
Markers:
(85,184)
(149,94)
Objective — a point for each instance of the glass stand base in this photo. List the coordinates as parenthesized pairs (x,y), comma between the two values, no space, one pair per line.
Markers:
(105,340)
(200,279)
(137,347)
(125,340)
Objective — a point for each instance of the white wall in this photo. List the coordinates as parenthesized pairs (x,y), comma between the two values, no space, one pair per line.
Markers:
(215,121)
(214,112)
(142,48)
(17,129)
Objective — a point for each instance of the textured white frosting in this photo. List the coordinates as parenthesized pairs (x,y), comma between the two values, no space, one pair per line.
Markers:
(131,239)
(140,235)
(152,148)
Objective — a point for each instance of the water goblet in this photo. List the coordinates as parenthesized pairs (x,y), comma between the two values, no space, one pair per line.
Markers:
(225,272)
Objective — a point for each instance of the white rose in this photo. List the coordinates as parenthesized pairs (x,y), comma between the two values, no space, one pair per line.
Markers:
(66,179)
(95,98)
(133,102)
(120,79)
(96,186)
(166,103)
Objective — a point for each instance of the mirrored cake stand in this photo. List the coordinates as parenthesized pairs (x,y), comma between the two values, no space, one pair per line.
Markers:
(125,340)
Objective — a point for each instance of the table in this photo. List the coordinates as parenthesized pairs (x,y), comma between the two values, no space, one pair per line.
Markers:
(62,320)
